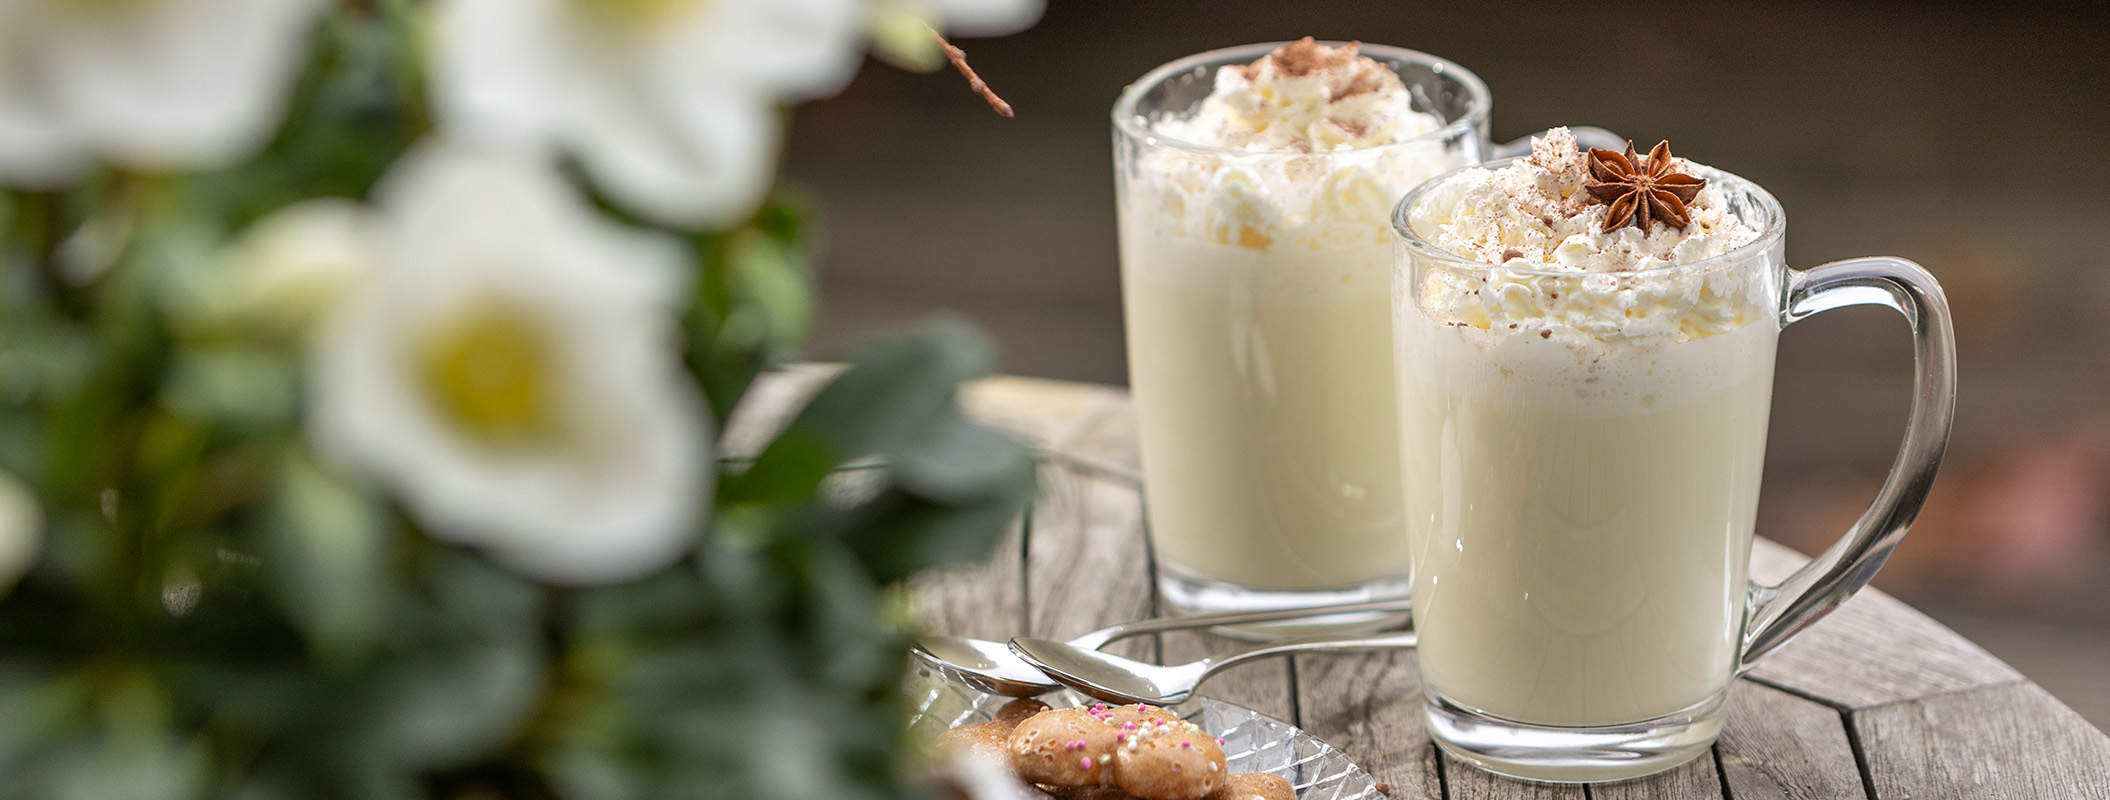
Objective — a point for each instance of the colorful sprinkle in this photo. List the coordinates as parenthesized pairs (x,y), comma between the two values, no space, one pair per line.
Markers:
(1086,762)
(1186,745)
(1120,737)
(1128,726)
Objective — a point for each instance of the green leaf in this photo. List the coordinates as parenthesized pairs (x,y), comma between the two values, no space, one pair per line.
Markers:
(772,274)
(134,756)
(883,404)
(446,704)
(899,533)
(326,544)
(959,462)
(246,388)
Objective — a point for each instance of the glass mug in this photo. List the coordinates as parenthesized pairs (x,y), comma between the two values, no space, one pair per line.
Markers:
(1581,506)
(1256,291)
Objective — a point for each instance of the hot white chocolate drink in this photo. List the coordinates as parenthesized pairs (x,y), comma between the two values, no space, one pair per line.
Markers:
(1583,417)
(1256,261)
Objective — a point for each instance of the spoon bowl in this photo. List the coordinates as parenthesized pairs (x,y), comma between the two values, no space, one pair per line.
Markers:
(1109,677)
(993,667)
(1122,680)
(987,666)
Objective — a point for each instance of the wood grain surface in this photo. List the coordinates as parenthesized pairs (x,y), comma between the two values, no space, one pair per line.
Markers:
(1877,700)
(2008,742)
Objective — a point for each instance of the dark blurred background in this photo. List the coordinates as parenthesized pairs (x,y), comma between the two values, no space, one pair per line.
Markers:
(1969,137)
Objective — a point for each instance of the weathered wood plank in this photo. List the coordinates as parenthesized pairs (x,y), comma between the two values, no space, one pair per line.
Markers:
(1263,685)
(1873,650)
(2013,741)
(1776,746)
(1045,413)
(1087,563)
(1370,706)
(1693,780)
(1464,782)
(1108,445)
(985,600)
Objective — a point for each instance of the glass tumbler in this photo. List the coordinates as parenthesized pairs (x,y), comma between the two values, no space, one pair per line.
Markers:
(1581,501)
(1256,294)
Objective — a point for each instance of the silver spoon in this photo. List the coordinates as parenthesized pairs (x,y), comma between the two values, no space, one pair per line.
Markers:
(1120,680)
(991,667)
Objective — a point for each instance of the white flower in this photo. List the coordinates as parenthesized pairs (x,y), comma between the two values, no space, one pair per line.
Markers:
(512,368)
(971,17)
(671,105)
(901,28)
(295,263)
(148,84)
(21,530)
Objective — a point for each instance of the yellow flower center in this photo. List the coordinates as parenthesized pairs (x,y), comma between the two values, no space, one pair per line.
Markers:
(491,375)
(637,13)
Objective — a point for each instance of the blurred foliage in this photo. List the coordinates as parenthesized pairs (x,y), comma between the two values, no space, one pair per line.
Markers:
(215,614)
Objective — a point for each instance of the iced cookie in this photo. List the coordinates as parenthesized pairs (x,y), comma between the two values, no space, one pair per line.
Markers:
(1255,786)
(1064,747)
(1019,710)
(991,739)
(1169,760)
(988,740)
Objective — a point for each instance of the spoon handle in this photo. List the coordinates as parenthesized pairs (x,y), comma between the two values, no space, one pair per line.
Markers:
(1318,644)
(1099,638)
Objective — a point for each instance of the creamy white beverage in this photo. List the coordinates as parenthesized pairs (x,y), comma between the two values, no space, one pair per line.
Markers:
(1584,425)
(1256,263)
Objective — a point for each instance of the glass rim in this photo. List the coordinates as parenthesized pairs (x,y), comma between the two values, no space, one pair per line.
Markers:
(1770,236)
(1128,123)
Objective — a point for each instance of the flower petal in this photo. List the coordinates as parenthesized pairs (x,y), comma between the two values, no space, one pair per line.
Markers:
(189,84)
(704,162)
(622,484)
(984,17)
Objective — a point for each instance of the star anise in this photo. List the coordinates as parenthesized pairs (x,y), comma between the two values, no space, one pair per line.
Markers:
(1641,192)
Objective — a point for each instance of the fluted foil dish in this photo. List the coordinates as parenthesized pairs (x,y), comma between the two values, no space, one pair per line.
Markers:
(1253,742)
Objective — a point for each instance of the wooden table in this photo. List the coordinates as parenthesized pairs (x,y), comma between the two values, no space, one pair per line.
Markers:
(1877,700)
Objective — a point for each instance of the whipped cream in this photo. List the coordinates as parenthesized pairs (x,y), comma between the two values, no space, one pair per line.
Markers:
(1312,146)
(1305,97)
(1558,273)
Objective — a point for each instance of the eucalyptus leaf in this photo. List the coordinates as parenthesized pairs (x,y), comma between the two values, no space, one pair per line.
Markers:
(328,548)
(448,703)
(243,387)
(899,533)
(133,754)
(960,462)
(774,274)
(126,765)
(883,404)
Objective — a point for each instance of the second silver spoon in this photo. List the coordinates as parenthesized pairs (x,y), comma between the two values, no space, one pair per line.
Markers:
(1121,680)
(990,666)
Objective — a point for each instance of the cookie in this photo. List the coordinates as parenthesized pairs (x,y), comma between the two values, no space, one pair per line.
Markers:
(1255,786)
(1169,760)
(987,740)
(1138,713)
(1064,747)
(1018,711)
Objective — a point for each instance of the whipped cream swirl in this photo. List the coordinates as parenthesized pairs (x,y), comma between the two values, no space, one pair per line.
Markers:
(1559,273)
(1317,158)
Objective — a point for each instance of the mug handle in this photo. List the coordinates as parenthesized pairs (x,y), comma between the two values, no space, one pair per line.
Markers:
(1586,137)
(1779,612)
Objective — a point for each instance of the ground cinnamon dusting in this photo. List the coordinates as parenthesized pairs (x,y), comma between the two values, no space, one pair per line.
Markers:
(1304,57)
(958,58)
